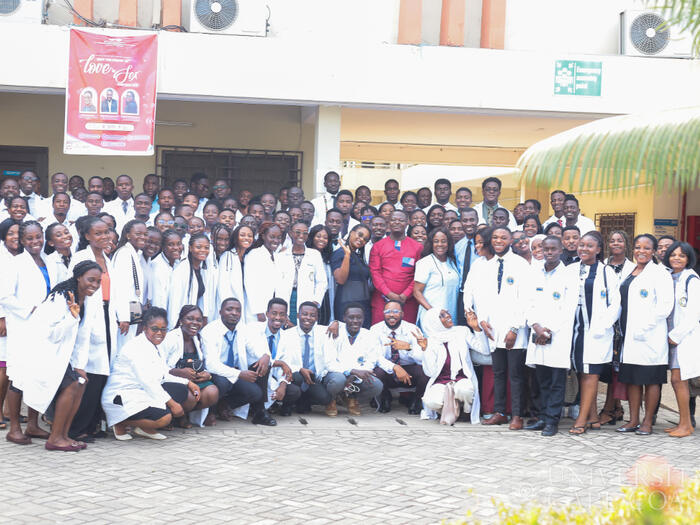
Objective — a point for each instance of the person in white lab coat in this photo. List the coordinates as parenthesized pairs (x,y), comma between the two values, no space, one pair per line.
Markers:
(162,267)
(319,239)
(193,281)
(57,346)
(446,360)
(308,351)
(326,201)
(230,275)
(240,362)
(684,330)
(267,274)
(574,217)
(58,249)
(122,208)
(551,317)
(27,283)
(598,307)
(128,281)
(93,242)
(647,300)
(503,283)
(141,393)
(356,359)
(491,190)
(182,349)
(309,276)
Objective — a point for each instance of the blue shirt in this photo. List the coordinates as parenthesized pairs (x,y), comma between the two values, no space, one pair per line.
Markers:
(460,248)
(45,273)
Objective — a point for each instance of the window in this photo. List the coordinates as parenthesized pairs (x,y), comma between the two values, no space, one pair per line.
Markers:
(609,222)
(255,170)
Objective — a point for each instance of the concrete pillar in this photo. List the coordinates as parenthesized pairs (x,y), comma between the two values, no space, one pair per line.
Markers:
(326,144)
(410,22)
(452,23)
(493,24)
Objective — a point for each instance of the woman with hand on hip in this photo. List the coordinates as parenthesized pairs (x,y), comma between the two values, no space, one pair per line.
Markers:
(647,300)
(58,347)
(436,282)
(684,330)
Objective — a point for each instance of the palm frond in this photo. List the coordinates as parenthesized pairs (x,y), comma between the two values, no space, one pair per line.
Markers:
(683,14)
(660,149)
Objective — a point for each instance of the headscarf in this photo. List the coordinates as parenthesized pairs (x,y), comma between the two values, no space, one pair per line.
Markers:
(433,328)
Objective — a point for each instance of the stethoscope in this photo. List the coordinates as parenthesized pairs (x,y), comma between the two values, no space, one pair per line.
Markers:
(437,267)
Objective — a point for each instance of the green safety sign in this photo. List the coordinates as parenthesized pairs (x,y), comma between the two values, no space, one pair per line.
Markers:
(574,77)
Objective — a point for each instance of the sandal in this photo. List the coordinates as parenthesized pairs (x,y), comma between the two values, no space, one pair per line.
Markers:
(577,431)
(593,425)
(607,417)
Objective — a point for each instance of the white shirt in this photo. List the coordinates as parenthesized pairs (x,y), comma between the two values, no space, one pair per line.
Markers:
(116,210)
(381,334)
(512,223)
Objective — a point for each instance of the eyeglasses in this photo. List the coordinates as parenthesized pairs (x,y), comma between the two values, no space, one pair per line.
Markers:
(395,312)
(155,329)
(219,187)
(169,223)
(366,217)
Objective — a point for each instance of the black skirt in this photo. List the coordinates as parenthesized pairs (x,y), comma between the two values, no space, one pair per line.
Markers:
(642,374)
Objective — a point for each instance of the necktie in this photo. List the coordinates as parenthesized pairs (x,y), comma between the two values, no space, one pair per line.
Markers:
(308,361)
(66,260)
(124,206)
(467,261)
(351,338)
(500,273)
(231,354)
(394,352)
(271,346)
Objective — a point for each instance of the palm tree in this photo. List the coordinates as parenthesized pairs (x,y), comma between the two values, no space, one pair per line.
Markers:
(660,149)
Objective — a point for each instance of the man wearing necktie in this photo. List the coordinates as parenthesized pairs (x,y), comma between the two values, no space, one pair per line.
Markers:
(465,253)
(230,351)
(122,208)
(283,390)
(395,339)
(306,348)
(326,201)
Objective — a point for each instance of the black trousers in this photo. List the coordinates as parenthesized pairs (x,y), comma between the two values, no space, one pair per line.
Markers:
(552,382)
(242,392)
(89,412)
(315,394)
(418,378)
(508,365)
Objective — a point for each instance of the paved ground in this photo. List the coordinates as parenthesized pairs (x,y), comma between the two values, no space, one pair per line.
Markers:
(390,468)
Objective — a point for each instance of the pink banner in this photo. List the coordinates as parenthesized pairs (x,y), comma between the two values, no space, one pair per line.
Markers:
(111,94)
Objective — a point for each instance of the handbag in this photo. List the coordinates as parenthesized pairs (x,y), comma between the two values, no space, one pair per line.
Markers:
(450,406)
(135,307)
(195,364)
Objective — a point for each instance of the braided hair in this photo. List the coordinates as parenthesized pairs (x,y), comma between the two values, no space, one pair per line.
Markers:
(71,285)
(25,226)
(188,308)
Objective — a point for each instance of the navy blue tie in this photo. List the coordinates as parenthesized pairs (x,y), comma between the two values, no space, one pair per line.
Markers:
(500,274)
(231,354)
(271,345)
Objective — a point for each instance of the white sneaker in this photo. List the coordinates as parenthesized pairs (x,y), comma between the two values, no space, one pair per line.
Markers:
(141,432)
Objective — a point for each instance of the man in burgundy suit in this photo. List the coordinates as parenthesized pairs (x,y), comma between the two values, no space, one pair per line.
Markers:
(392,263)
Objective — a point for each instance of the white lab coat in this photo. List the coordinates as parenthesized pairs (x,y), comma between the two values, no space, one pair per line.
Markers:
(99,359)
(173,347)
(649,303)
(312,282)
(124,261)
(322,204)
(62,273)
(183,291)
(553,306)
(627,268)
(381,335)
(54,339)
(361,355)
(291,349)
(505,310)
(161,274)
(598,336)
(230,282)
(435,356)
(22,289)
(137,375)
(114,208)
(248,345)
(5,262)
(686,323)
(265,278)
(512,223)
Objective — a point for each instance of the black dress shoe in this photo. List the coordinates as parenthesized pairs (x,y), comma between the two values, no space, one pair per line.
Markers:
(286,410)
(537,425)
(264,418)
(550,430)
(303,407)
(385,405)
(415,407)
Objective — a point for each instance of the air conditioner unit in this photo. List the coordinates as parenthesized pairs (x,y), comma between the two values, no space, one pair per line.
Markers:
(21,11)
(227,17)
(642,34)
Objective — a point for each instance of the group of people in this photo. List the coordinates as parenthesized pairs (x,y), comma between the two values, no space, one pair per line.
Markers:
(186,304)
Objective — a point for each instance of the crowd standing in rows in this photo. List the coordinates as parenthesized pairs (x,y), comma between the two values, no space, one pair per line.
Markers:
(186,304)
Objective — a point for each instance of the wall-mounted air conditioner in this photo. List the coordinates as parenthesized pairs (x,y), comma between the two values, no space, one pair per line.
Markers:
(227,17)
(644,33)
(21,11)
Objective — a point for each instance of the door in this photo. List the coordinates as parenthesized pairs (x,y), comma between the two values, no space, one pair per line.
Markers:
(15,159)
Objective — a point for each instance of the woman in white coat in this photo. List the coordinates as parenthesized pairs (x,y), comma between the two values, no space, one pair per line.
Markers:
(27,283)
(447,360)
(162,267)
(647,300)
(57,345)
(58,249)
(598,301)
(309,278)
(9,247)
(267,274)
(193,281)
(94,240)
(182,349)
(684,330)
(230,277)
(141,393)
(128,280)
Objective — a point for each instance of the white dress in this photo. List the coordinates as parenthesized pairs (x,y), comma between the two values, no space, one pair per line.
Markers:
(441,281)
